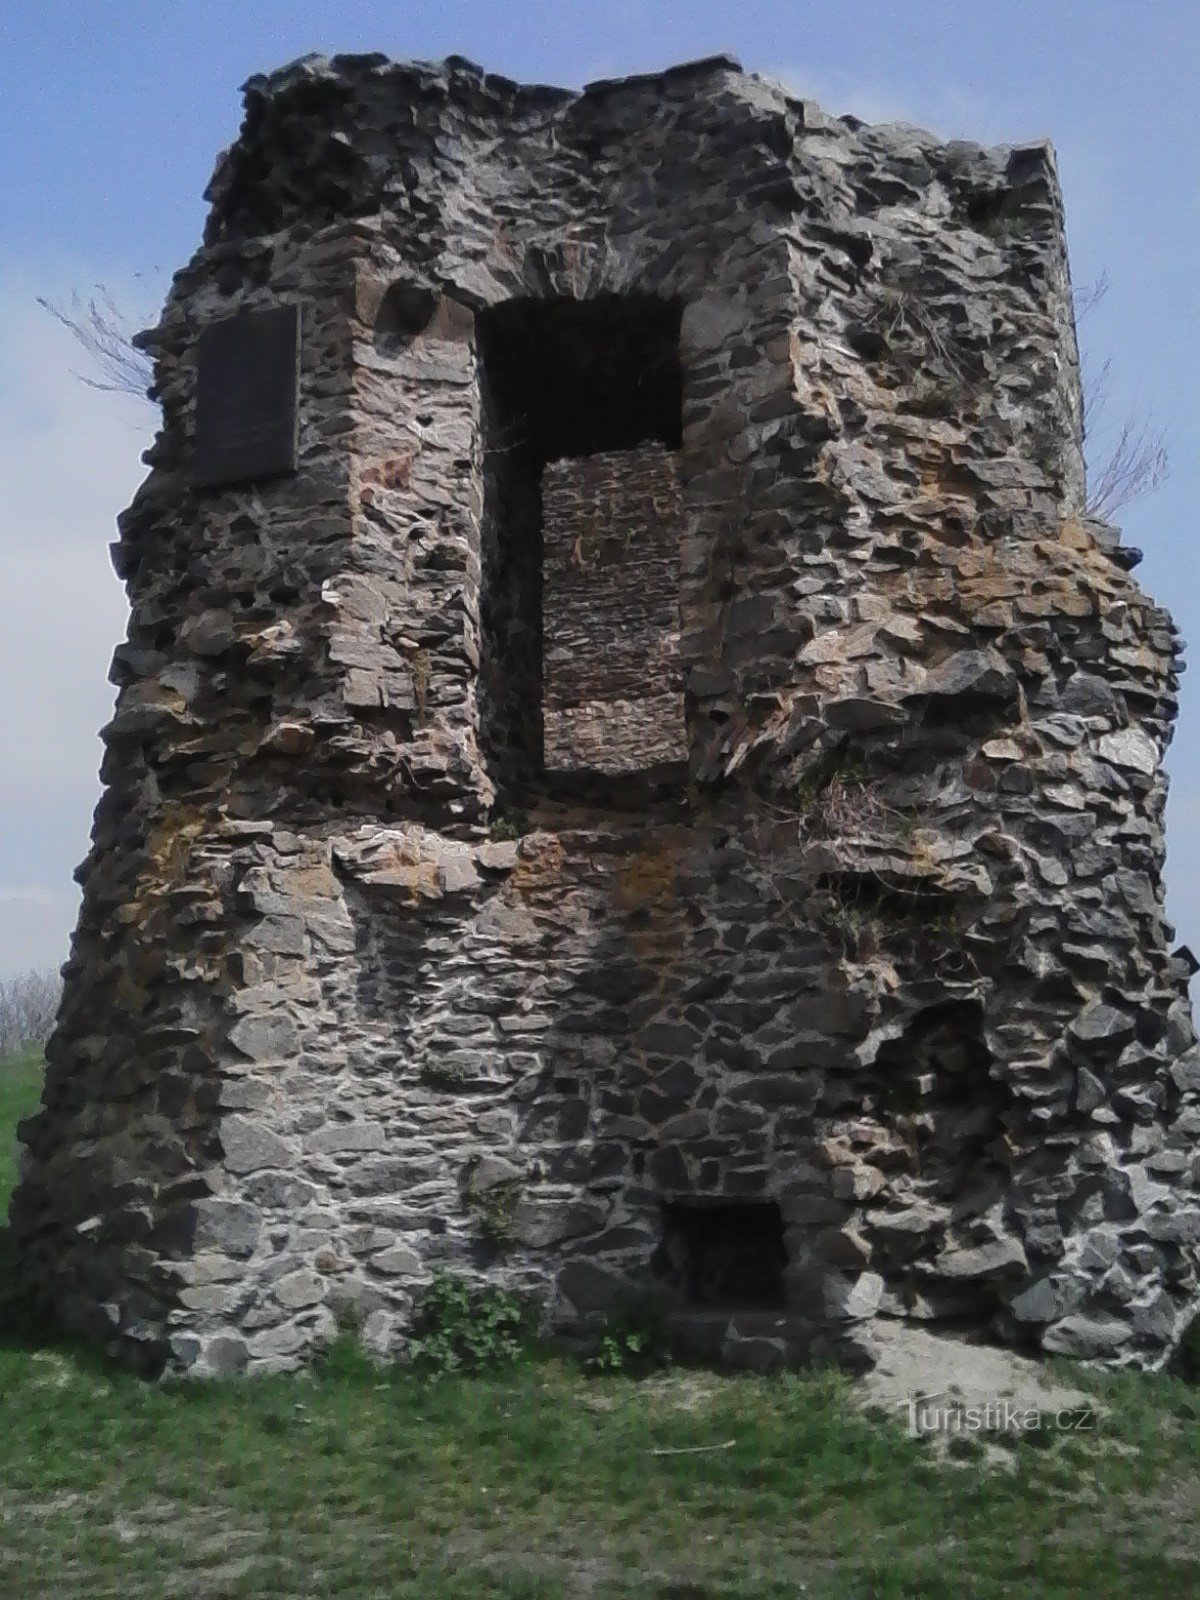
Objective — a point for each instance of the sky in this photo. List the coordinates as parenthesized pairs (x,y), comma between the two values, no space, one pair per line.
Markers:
(111,117)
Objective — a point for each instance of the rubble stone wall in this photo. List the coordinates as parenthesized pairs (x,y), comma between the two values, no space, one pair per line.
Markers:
(362,987)
(612,682)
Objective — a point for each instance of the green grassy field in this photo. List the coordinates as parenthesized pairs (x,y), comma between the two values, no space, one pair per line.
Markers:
(543,1483)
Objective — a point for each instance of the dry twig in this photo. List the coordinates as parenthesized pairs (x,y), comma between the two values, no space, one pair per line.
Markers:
(105,331)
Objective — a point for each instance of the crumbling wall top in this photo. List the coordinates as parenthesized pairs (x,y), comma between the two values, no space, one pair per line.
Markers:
(360,121)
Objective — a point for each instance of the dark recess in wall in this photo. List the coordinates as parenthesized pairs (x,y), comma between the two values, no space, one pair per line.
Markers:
(576,377)
(559,378)
(724,1255)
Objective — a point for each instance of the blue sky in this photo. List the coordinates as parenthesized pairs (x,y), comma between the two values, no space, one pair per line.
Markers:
(111,116)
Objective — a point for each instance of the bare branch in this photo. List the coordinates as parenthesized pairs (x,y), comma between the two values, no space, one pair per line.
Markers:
(1136,466)
(1089,295)
(104,331)
(1095,396)
(850,807)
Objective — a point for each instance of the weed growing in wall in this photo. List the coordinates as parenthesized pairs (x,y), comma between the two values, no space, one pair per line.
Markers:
(494,1208)
(634,1341)
(461,1327)
(508,824)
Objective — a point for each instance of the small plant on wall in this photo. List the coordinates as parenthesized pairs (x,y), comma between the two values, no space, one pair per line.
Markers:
(494,1209)
(463,1327)
(634,1340)
(492,1200)
(509,824)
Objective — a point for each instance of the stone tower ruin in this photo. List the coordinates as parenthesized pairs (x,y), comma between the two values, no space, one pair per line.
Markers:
(634,774)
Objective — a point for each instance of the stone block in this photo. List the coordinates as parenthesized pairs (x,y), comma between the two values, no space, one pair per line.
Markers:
(299,1290)
(344,1138)
(230,1226)
(250,1146)
(998,1259)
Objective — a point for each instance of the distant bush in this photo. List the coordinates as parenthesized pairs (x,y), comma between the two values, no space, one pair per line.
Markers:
(28,1007)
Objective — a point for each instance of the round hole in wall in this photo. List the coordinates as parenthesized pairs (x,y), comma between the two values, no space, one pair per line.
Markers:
(405,311)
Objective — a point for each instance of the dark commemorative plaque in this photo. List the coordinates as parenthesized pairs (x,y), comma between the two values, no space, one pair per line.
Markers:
(248,379)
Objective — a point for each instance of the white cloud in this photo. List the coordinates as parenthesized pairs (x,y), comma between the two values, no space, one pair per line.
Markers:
(947,109)
(69,461)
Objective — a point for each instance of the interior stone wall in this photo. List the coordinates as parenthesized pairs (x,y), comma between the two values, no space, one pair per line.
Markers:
(612,683)
(361,990)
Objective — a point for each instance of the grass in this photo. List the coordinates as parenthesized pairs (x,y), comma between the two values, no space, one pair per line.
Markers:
(542,1483)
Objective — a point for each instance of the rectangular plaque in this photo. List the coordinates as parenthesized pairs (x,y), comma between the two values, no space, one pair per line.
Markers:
(247,386)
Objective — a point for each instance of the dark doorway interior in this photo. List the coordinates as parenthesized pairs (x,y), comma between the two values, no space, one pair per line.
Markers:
(724,1255)
(559,378)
